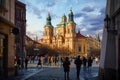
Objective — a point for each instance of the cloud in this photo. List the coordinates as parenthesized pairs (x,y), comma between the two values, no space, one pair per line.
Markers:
(83,11)
(51,4)
(93,26)
(78,15)
(35,34)
(91,23)
(88,9)
(46,3)
(35,10)
(102,10)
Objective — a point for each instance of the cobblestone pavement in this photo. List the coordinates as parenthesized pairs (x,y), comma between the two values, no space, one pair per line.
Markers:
(53,73)
(56,73)
(24,74)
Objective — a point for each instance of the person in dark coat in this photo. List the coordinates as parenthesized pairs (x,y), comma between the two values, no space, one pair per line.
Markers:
(78,63)
(84,61)
(66,66)
(39,62)
(26,62)
(19,63)
(89,63)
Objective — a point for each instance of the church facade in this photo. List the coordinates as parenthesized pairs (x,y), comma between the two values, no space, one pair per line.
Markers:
(64,35)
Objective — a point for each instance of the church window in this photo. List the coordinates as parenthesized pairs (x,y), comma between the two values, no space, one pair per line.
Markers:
(68,30)
(79,49)
(46,33)
(67,40)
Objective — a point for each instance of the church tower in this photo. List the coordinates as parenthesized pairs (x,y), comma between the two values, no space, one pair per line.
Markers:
(64,19)
(60,31)
(70,31)
(48,30)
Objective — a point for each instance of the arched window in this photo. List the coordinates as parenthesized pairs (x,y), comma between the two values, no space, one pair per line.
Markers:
(46,33)
(79,49)
(68,30)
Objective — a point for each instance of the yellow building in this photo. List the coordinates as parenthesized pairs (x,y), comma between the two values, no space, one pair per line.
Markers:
(7,46)
(93,46)
(65,35)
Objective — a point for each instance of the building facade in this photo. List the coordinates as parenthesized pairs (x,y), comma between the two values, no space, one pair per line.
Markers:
(20,22)
(7,31)
(93,46)
(110,53)
(65,35)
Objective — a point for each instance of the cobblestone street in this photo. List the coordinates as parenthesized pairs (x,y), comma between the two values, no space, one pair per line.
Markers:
(58,74)
(54,73)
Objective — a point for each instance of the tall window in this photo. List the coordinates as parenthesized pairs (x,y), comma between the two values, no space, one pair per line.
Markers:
(1,2)
(68,30)
(46,33)
(19,13)
(79,49)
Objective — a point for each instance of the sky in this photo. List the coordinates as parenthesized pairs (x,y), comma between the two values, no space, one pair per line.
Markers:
(88,15)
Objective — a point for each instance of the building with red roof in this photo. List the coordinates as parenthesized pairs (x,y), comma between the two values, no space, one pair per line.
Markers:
(65,36)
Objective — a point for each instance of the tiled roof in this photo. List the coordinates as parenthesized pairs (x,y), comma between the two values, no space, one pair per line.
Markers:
(79,35)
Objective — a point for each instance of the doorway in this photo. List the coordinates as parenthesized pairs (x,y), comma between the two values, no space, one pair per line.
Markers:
(1,54)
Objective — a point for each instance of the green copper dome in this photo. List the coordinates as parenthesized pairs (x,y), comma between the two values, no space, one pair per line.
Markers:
(70,16)
(64,16)
(63,22)
(48,21)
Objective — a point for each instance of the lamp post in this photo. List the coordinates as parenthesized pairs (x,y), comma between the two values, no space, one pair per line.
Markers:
(107,23)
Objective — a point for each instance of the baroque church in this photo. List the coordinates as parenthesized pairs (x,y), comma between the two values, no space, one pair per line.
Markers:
(65,35)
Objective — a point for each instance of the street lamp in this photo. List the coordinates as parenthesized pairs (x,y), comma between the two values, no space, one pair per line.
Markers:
(107,23)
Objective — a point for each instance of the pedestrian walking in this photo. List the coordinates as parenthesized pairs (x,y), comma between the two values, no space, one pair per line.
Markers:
(66,66)
(78,63)
(22,63)
(89,63)
(26,62)
(84,61)
(39,62)
(19,63)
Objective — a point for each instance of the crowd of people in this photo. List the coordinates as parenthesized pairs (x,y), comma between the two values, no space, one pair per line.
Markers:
(59,61)
(78,61)
(48,61)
